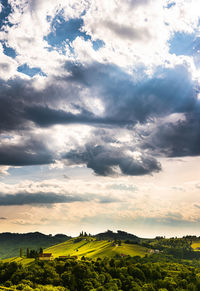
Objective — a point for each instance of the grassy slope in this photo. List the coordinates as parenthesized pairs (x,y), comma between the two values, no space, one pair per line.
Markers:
(94,249)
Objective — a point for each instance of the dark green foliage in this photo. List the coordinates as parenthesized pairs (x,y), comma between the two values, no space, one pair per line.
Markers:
(156,272)
(119,235)
(21,252)
(33,254)
(28,253)
(179,248)
(172,265)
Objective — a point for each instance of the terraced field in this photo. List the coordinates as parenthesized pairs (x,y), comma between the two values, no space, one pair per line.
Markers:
(92,248)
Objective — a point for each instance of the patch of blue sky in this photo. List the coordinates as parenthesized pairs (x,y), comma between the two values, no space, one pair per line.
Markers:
(65,32)
(8,51)
(97,44)
(6,10)
(183,44)
(48,18)
(25,69)
(34,173)
(39,173)
(171,4)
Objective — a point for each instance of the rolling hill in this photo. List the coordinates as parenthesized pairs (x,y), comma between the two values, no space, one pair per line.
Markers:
(93,248)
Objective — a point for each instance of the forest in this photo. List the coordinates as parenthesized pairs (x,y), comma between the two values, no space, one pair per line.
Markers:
(154,272)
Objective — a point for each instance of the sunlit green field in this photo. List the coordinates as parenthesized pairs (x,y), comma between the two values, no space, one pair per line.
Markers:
(94,249)
(196,245)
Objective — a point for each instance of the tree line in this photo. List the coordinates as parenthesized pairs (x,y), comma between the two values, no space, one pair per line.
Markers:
(30,253)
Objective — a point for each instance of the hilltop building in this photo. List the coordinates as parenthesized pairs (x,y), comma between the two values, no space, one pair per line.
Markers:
(46,257)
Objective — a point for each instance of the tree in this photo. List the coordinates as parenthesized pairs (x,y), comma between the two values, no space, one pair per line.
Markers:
(21,252)
(27,253)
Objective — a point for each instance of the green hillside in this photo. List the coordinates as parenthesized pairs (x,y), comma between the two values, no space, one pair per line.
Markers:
(92,248)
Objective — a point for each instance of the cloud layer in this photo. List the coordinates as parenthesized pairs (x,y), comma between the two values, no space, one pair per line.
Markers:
(116,71)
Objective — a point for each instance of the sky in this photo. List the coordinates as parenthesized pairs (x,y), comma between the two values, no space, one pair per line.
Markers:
(100,116)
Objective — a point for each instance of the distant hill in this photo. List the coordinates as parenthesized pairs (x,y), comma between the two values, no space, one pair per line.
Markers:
(119,235)
(10,243)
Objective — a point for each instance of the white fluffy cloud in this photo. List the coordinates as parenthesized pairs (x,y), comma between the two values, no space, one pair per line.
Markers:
(134,33)
(8,66)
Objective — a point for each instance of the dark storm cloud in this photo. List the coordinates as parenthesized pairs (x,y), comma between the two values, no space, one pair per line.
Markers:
(178,139)
(18,96)
(11,114)
(45,117)
(168,91)
(37,198)
(50,198)
(127,101)
(14,94)
(103,159)
(27,152)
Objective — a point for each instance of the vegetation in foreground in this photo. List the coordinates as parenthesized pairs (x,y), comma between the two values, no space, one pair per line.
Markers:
(154,272)
(122,262)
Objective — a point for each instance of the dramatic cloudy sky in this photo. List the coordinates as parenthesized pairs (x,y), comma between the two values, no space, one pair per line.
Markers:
(100,116)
